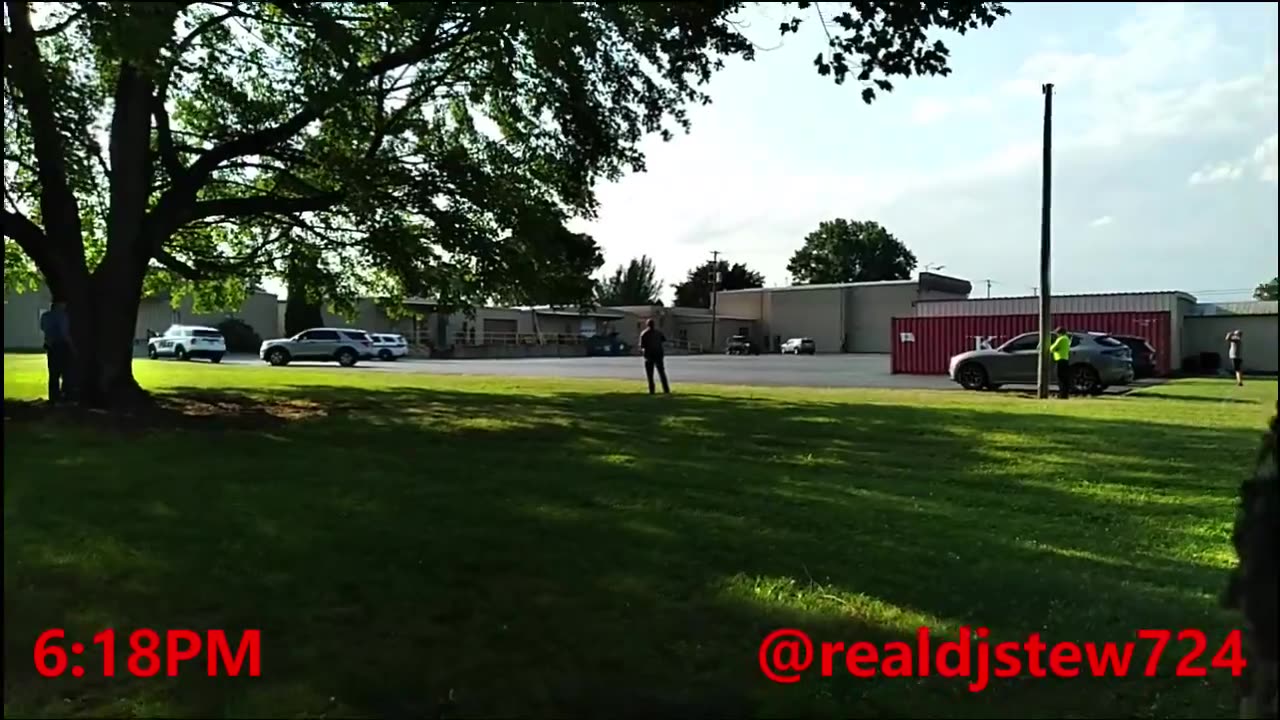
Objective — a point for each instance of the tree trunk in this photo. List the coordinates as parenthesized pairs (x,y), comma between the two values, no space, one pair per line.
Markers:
(300,315)
(104,312)
(300,311)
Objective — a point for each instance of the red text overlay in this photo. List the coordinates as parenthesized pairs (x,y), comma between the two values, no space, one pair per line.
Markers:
(787,654)
(148,653)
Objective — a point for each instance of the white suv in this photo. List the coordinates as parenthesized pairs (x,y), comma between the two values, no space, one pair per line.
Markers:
(345,345)
(389,347)
(183,342)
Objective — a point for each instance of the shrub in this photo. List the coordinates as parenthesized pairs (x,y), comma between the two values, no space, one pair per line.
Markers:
(240,336)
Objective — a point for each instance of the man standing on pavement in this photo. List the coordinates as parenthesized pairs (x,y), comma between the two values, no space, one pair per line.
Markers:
(651,340)
(1235,352)
(57,347)
(1061,349)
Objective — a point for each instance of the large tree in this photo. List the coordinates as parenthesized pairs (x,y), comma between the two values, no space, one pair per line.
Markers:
(1269,290)
(635,284)
(850,251)
(426,148)
(695,291)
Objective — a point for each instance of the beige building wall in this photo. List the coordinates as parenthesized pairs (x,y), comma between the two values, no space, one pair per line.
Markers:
(1261,347)
(22,319)
(369,317)
(869,313)
(751,304)
(813,313)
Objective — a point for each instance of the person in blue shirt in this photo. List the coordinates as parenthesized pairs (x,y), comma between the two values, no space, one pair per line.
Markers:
(56,327)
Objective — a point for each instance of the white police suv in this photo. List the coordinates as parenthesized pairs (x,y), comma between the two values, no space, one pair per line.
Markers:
(184,342)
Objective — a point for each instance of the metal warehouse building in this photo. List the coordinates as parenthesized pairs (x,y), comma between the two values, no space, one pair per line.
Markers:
(1183,331)
(845,317)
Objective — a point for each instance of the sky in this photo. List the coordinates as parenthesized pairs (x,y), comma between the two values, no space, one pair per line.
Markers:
(1164,155)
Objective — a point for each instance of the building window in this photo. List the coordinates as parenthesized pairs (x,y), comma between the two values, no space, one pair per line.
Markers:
(683,334)
(744,331)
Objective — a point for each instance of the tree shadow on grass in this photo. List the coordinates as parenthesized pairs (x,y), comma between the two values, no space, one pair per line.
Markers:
(609,554)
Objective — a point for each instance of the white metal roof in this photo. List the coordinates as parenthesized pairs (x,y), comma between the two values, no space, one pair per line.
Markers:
(1030,304)
(1249,307)
(820,286)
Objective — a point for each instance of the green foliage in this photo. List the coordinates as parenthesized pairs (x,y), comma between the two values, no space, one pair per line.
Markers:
(1269,290)
(634,284)
(240,336)
(695,291)
(432,149)
(850,251)
(19,274)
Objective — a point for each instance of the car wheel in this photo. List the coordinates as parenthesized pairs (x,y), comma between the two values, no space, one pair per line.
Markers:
(972,376)
(347,357)
(215,359)
(1085,381)
(180,353)
(278,356)
(385,355)
(152,353)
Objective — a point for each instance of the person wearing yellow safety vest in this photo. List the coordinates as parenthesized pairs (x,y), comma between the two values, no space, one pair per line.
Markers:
(1061,350)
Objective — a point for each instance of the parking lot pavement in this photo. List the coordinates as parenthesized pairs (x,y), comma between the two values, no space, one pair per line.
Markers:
(834,371)
(764,370)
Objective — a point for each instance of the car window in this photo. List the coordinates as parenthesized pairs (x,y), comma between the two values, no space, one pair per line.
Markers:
(1075,340)
(319,335)
(207,334)
(1023,342)
(356,336)
(1107,341)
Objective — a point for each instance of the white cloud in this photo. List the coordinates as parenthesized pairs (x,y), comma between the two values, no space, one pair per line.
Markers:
(929,110)
(1264,157)
(1222,172)
(1153,87)
(1161,82)
(1261,161)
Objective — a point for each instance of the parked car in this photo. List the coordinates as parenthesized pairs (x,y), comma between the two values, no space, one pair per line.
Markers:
(800,346)
(1097,362)
(741,345)
(607,346)
(344,345)
(389,347)
(184,342)
(1144,355)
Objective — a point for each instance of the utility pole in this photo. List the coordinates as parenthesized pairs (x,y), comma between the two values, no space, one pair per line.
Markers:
(988,282)
(1042,368)
(715,282)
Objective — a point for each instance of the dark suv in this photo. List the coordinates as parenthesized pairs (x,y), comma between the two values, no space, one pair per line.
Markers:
(1144,355)
(741,345)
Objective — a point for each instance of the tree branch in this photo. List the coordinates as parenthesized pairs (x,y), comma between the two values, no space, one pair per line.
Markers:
(31,239)
(58,205)
(56,29)
(262,205)
(185,271)
(356,76)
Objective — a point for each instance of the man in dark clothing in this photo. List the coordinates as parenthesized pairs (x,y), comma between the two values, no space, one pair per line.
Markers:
(651,340)
(57,347)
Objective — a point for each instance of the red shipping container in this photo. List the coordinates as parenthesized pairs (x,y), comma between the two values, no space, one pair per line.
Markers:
(925,345)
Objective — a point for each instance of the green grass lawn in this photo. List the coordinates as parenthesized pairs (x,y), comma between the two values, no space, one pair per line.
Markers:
(570,548)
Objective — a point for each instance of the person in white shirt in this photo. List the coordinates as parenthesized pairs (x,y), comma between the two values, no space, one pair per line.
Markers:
(1234,340)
